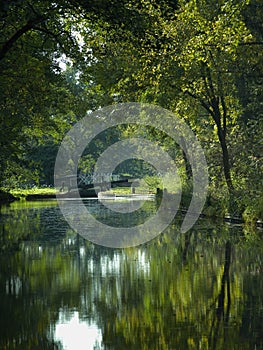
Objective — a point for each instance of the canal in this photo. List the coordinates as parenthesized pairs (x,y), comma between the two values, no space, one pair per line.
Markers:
(199,290)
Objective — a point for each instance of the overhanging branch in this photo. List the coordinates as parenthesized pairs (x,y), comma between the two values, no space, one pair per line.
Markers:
(27,27)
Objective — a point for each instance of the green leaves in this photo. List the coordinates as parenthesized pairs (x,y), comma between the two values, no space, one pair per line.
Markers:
(201,59)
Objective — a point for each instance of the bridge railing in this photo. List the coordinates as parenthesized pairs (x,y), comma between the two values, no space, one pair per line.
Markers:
(88,179)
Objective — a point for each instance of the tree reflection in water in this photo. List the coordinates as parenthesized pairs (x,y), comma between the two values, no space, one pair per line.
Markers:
(200,290)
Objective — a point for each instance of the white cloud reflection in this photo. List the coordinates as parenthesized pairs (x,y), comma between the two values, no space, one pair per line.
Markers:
(76,334)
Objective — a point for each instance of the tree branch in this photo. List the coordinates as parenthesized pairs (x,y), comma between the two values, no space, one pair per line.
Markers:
(27,27)
(203,103)
(56,36)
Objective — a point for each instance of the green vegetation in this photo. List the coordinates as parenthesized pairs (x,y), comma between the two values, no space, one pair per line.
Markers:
(23,193)
(149,184)
(202,60)
(119,190)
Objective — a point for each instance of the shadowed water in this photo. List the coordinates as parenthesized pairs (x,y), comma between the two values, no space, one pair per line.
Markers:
(199,290)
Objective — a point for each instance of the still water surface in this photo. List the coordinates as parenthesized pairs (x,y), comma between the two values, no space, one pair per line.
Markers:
(199,290)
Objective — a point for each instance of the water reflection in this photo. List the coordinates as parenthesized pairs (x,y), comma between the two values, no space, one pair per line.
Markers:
(75,334)
(200,290)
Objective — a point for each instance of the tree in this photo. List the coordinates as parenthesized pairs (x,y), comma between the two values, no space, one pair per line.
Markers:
(36,98)
(206,46)
(187,56)
(190,58)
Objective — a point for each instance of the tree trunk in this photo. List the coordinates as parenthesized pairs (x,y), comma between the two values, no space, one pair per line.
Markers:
(225,155)
(188,169)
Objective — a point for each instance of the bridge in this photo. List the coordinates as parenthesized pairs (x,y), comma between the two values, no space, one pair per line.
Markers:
(90,184)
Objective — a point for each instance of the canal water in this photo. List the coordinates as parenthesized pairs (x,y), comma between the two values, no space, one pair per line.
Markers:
(198,290)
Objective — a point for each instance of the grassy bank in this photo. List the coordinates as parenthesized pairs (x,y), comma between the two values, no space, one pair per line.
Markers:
(23,193)
(9,195)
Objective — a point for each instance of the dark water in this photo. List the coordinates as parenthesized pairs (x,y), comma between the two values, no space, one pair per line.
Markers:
(199,290)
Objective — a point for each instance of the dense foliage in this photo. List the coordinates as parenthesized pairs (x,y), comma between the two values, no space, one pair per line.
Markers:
(201,60)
